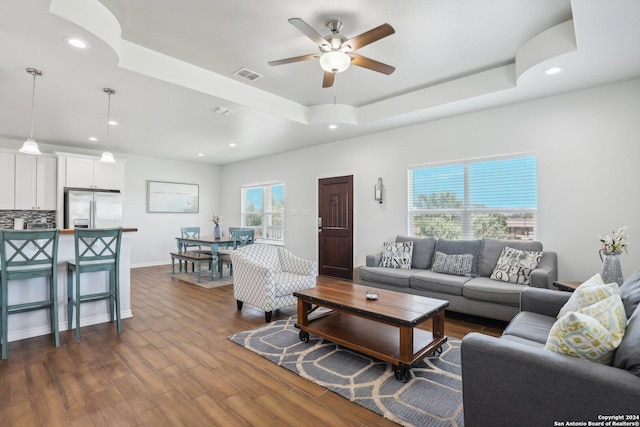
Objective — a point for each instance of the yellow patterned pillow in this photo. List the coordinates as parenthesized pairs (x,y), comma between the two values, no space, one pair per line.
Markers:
(592,333)
(590,292)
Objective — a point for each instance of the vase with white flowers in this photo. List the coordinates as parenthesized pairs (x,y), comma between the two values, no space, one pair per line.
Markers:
(217,231)
(612,247)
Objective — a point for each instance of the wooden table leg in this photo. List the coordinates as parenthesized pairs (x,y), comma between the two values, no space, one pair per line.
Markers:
(438,324)
(406,344)
(303,312)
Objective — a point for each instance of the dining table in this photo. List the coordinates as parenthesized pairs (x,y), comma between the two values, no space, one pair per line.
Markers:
(210,241)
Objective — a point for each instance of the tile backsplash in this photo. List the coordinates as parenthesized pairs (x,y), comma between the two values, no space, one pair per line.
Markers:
(6,217)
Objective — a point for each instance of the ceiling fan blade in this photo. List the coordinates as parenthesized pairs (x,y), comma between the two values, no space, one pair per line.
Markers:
(363,61)
(308,31)
(294,59)
(327,80)
(368,37)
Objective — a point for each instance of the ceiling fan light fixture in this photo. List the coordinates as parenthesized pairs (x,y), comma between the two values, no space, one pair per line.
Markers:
(335,61)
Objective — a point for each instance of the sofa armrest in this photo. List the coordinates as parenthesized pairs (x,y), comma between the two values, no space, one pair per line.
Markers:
(374,260)
(507,383)
(543,301)
(546,272)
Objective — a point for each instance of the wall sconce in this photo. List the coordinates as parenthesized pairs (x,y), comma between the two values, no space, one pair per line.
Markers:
(377,192)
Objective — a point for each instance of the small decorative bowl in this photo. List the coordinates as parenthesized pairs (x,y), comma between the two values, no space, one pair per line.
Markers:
(371,295)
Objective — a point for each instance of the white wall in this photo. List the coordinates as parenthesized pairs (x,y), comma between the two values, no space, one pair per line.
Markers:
(157,231)
(588,147)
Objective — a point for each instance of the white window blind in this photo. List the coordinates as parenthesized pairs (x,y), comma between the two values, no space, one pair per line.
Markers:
(263,210)
(474,199)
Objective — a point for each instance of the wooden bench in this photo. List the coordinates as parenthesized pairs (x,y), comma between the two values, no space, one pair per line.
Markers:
(197,258)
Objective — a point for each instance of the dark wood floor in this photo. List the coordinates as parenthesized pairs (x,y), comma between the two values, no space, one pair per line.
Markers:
(172,365)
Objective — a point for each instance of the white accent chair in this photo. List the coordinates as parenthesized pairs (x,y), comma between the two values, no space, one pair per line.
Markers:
(266,276)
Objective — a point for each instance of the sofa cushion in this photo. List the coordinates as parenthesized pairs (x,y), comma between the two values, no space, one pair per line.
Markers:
(422,250)
(628,353)
(630,293)
(530,326)
(438,282)
(515,266)
(459,265)
(524,341)
(588,293)
(397,255)
(492,248)
(485,289)
(460,247)
(388,276)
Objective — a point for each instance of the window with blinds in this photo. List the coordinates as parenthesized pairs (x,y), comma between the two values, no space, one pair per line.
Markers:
(474,199)
(263,210)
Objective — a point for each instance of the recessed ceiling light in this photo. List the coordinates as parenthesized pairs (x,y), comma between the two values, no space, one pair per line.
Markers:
(233,144)
(200,155)
(553,70)
(76,42)
(93,138)
(113,123)
(333,126)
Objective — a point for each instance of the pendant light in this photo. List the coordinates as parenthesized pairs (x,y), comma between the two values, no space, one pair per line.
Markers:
(107,156)
(30,146)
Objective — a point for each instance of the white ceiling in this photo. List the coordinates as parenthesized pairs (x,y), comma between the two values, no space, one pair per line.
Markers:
(172,62)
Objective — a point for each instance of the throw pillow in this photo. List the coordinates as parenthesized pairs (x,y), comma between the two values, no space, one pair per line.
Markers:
(397,255)
(515,266)
(630,293)
(460,265)
(590,292)
(461,247)
(591,333)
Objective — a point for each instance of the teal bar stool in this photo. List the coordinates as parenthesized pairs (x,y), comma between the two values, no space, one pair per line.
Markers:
(97,249)
(27,255)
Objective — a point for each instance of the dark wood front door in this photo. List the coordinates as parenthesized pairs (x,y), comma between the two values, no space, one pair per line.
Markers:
(335,226)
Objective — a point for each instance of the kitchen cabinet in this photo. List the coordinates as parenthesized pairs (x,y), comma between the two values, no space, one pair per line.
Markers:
(7,180)
(90,173)
(35,183)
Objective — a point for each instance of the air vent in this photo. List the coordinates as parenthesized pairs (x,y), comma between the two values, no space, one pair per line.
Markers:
(223,110)
(247,74)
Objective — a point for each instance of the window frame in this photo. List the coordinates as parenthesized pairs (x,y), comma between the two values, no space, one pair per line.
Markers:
(266,213)
(467,211)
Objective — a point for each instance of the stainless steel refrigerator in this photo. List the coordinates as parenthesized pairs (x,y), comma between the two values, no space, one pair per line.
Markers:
(92,208)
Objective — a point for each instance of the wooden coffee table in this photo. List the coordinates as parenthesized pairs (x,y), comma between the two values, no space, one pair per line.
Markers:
(384,328)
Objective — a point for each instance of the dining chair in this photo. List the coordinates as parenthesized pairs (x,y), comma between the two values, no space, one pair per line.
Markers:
(97,249)
(241,237)
(26,255)
(192,233)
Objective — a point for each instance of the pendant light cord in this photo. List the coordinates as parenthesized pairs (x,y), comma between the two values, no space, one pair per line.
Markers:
(34,73)
(108,117)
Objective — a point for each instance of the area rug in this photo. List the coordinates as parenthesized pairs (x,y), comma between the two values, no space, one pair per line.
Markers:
(206,282)
(431,397)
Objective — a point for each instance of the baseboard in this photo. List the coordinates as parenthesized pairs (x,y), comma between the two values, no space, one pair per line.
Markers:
(62,326)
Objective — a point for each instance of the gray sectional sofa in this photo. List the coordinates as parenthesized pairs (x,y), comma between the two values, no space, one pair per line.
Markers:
(477,295)
(513,380)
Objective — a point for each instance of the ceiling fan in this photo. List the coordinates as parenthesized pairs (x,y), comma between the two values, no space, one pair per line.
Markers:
(337,52)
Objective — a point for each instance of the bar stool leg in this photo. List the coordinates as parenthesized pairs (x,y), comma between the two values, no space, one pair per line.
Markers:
(5,318)
(53,312)
(77,305)
(117,298)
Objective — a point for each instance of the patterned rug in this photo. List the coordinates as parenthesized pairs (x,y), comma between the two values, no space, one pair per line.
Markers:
(206,280)
(431,397)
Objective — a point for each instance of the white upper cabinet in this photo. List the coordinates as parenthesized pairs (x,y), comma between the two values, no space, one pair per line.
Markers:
(7,180)
(89,173)
(35,183)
